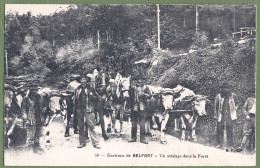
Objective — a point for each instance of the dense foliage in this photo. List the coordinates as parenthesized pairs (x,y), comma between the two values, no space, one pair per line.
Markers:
(126,33)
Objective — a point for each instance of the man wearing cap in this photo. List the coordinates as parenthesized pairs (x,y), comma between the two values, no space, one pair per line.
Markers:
(84,96)
(139,95)
(75,79)
(225,113)
(32,111)
(248,140)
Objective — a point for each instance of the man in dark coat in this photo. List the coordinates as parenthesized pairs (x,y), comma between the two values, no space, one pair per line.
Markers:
(139,95)
(33,111)
(84,97)
(225,113)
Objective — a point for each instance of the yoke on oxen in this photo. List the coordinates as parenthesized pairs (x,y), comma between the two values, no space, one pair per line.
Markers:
(182,103)
(55,102)
(51,103)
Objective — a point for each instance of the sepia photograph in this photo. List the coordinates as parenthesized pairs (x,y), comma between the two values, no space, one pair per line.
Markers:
(129,85)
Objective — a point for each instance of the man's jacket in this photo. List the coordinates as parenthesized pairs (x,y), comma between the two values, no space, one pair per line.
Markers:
(34,108)
(139,97)
(85,98)
(219,104)
(250,106)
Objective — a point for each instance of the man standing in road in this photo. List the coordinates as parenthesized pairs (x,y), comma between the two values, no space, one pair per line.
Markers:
(84,96)
(33,112)
(248,140)
(139,95)
(225,113)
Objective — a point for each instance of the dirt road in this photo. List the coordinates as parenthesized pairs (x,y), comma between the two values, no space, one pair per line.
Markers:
(118,152)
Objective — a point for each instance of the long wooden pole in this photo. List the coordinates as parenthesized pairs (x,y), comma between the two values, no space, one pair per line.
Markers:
(98,39)
(158,25)
(6,64)
(234,18)
(197,19)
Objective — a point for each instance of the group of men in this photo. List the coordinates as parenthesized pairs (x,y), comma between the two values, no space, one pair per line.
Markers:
(85,95)
(31,115)
(226,113)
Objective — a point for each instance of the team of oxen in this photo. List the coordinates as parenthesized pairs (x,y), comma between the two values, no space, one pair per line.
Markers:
(115,102)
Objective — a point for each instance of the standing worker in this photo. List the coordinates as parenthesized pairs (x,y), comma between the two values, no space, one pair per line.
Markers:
(33,112)
(84,96)
(225,113)
(139,95)
(248,140)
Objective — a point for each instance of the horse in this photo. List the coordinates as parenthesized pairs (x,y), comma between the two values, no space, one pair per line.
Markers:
(98,83)
(119,96)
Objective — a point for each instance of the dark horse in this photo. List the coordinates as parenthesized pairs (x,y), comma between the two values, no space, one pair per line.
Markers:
(100,86)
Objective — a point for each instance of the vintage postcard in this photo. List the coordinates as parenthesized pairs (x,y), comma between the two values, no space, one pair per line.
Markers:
(130,85)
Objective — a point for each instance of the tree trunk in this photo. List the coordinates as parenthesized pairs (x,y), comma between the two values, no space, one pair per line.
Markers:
(197,19)
(234,18)
(107,35)
(98,39)
(158,25)
(6,63)
(184,18)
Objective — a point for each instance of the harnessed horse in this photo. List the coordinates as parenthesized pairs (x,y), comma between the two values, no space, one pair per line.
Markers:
(98,83)
(119,96)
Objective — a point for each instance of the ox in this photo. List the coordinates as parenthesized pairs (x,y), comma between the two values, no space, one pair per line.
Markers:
(53,104)
(71,111)
(167,102)
(159,106)
(198,103)
(155,107)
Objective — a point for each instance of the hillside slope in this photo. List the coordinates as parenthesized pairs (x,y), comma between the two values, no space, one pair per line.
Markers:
(204,72)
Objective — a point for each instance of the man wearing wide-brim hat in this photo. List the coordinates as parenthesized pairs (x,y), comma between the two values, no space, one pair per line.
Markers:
(139,95)
(84,103)
(32,112)
(225,113)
